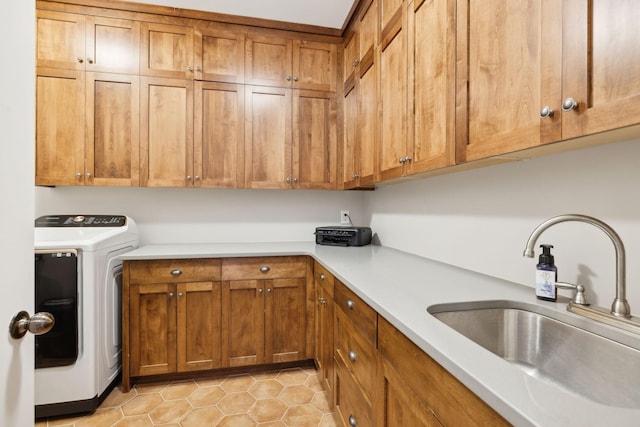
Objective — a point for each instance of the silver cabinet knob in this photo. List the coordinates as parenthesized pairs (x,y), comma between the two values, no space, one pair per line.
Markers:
(352,421)
(176,272)
(260,290)
(198,68)
(189,68)
(88,175)
(569,104)
(322,300)
(288,78)
(171,294)
(188,177)
(180,294)
(80,60)
(268,290)
(197,178)
(322,276)
(38,324)
(288,180)
(78,174)
(401,160)
(295,79)
(350,304)
(295,180)
(545,112)
(352,356)
(265,269)
(355,63)
(90,60)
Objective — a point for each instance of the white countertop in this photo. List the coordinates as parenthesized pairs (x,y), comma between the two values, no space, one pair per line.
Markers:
(400,287)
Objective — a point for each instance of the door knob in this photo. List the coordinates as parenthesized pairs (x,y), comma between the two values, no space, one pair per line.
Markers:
(38,324)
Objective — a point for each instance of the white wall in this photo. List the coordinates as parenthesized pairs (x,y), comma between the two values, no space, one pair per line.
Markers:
(481,219)
(207,215)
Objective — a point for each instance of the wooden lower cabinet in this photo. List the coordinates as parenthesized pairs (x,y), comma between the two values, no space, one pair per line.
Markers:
(413,389)
(324,283)
(265,310)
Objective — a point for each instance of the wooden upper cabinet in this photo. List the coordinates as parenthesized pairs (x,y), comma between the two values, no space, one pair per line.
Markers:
(112,130)
(389,9)
(351,53)
(392,150)
(314,140)
(269,61)
(219,135)
(299,64)
(431,85)
(501,92)
(219,55)
(60,112)
(166,132)
(166,51)
(79,42)
(314,65)
(368,29)
(601,71)
(267,137)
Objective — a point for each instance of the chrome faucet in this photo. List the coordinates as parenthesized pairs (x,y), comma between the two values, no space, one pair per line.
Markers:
(620,307)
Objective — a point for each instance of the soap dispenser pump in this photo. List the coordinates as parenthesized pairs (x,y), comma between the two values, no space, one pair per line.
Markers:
(546,275)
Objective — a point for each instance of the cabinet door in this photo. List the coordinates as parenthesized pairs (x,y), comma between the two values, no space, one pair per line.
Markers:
(60,40)
(601,71)
(112,45)
(431,84)
(398,405)
(368,123)
(267,137)
(219,135)
(351,53)
(59,127)
(314,65)
(112,130)
(166,132)
(392,150)
(314,140)
(152,329)
(199,326)
(243,322)
(219,55)
(389,9)
(324,343)
(269,61)
(499,84)
(166,51)
(285,320)
(368,30)
(350,161)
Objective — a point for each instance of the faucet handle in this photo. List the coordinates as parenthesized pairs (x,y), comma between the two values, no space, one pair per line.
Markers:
(580,298)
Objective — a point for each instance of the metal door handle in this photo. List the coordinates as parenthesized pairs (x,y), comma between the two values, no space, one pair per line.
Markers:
(265,269)
(38,324)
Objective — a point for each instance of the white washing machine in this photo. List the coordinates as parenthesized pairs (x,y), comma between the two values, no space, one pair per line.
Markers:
(78,278)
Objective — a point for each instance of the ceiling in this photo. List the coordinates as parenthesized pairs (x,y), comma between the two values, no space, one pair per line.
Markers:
(323,13)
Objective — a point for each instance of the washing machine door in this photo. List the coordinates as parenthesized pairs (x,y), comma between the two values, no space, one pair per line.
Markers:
(56,292)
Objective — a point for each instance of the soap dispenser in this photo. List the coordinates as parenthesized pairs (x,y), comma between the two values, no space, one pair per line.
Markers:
(546,275)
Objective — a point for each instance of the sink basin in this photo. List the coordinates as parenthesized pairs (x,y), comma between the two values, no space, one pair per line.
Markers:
(580,356)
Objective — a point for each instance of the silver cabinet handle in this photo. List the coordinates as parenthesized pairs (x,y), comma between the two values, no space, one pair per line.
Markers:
(80,60)
(78,174)
(352,356)
(288,78)
(295,180)
(188,177)
(288,179)
(260,290)
(197,178)
(322,276)
(352,421)
(176,272)
(265,269)
(90,60)
(170,294)
(180,294)
(269,290)
(545,112)
(322,300)
(401,160)
(189,68)
(88,175)
(569,104)
(295,79)
(350,304)
(38,324)
(198,68)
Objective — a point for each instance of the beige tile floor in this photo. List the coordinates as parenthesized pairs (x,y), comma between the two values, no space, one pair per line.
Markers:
(288,397)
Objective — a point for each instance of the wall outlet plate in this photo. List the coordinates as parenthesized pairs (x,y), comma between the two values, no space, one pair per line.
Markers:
(344,217)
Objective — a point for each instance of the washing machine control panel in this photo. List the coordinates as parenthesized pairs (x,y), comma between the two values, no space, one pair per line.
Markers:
(81,221)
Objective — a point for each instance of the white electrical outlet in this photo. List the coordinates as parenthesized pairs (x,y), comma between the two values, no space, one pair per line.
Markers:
(345,218)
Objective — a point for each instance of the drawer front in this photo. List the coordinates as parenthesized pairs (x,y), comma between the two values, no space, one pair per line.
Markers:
(362,316)
(356,353)
(323,278)
(351,404)
(174,270)
(264,268)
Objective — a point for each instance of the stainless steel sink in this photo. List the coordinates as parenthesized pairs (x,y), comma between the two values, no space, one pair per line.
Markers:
(580,356)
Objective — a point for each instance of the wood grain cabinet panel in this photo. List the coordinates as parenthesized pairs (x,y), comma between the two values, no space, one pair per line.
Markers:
(219,55)
(60,40)
(269,61)
(166,51)
(324,321)
(314,65)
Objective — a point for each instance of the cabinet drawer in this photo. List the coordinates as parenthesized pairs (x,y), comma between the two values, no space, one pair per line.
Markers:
(263,268)
(174,270)
(323,278)
(351,404)
(355,352)
(362,316)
